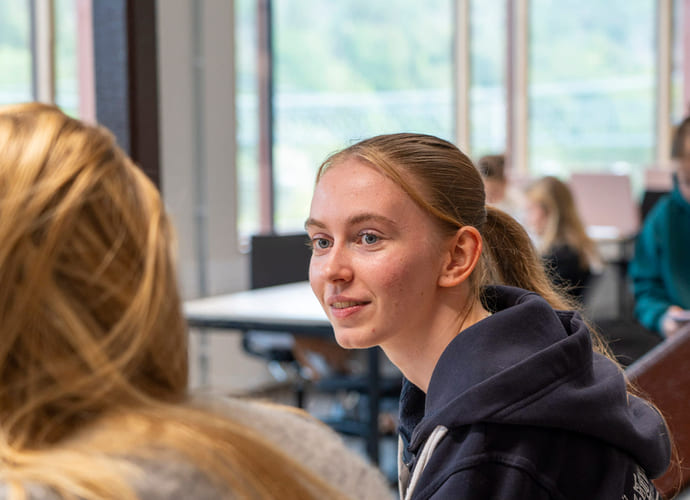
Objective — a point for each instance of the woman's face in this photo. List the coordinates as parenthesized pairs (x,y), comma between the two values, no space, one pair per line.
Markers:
(536,217)
(376,260)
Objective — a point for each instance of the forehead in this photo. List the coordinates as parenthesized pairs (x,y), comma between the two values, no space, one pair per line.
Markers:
(355,186)
(356,178)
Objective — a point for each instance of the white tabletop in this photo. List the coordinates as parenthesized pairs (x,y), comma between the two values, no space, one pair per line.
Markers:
(275,306)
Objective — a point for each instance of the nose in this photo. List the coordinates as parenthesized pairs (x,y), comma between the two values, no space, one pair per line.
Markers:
(337,265)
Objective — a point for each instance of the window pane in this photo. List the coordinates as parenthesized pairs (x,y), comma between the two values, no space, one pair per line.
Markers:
(15,51)
(677,105)
(592,85)
(66,69)
(487,88)
(247,123)
(348,70)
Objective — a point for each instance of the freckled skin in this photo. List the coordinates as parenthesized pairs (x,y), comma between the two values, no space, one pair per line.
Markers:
(396,276)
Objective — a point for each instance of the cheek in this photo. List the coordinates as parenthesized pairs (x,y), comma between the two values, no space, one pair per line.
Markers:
(406,279)
(315,276)
(383,272)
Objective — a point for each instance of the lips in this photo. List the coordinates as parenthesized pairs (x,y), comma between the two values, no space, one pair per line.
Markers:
(343,301)
(342,307)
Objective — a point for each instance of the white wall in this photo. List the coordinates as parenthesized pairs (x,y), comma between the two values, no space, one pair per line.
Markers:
(226,266)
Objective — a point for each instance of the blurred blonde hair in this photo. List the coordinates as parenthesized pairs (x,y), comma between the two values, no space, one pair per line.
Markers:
(563,223)
(93,351)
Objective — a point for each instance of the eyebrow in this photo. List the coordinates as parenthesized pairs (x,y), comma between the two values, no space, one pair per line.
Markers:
(355,219)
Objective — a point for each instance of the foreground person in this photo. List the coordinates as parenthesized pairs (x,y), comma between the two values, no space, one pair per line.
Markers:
(507,395)
(93,358)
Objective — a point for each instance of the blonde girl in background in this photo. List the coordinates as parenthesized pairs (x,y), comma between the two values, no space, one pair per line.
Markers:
(569,254)
(93,345)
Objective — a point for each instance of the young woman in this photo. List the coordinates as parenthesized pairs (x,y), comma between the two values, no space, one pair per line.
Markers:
(659,270)
(505,396)
(570,255)
(93,351)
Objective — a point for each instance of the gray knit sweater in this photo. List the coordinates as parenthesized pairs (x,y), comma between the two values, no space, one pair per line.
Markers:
(306,440)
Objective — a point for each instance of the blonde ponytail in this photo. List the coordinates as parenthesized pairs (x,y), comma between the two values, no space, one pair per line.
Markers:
(510,258)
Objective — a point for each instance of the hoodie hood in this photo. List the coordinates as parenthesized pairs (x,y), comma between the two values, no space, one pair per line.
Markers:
(528,364)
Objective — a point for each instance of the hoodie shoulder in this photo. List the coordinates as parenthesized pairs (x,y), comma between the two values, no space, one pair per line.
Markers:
(529,366)
(494,461)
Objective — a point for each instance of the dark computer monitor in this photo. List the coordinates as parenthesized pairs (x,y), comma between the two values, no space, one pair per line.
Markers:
(277,259)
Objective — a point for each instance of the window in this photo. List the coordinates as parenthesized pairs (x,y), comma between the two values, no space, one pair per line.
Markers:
(592,85)
(15,51)
(65,53)
(20,77)
(247,123)
(342,71)
(677,91)
(347,70)
(488,77)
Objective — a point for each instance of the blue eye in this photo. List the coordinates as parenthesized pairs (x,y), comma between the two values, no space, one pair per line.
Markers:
(369,238)
(321,243)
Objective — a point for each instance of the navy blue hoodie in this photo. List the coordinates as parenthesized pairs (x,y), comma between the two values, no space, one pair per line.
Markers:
(519,406)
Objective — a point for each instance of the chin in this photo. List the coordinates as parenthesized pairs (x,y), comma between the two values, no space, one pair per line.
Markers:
(353,340)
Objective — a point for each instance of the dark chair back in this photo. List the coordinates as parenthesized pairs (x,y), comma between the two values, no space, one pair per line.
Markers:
(649,199)
(277,259)
(663,375)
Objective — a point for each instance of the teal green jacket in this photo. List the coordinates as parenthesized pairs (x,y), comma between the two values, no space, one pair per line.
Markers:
(660,269)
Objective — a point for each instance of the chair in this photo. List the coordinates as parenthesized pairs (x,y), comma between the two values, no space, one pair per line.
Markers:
(649,199)
(658,182)
(610,213)
(663,375)
(606,200)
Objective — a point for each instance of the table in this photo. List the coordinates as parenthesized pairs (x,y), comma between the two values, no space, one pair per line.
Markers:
(284,308)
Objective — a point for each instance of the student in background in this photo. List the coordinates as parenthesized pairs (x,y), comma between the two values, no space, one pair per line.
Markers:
(93,358)
(570,255)
(505,396)
(660,269)
(499,192)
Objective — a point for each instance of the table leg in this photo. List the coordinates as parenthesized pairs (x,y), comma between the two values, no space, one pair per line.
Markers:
(374,396)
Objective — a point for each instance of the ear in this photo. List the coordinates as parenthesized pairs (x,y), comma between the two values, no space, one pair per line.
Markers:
(462,257)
